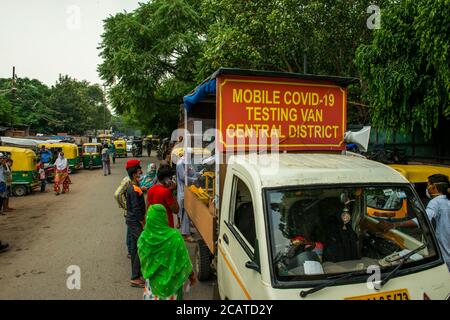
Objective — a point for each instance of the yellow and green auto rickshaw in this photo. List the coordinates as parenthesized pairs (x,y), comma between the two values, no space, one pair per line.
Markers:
(24,173)
(418,175)
(121,148)
(70,152)
(92,155)
(104,138)
(394,206)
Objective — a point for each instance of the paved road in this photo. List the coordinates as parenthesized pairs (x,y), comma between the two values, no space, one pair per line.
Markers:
(84,228)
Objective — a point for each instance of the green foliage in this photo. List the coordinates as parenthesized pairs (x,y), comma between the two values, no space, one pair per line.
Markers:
(6,114)
(81,105)
(407,67)
(28,102)
(69,106)
(277,35)
(156,54)
(150,60)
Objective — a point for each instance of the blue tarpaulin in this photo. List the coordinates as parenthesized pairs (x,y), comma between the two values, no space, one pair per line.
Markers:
(209,87)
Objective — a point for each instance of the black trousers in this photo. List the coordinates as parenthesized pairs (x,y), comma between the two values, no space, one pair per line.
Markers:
(135,232)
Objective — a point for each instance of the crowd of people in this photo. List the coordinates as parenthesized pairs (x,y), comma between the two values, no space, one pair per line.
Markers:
(155,240)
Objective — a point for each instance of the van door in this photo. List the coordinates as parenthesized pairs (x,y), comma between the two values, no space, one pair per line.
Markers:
(238,238)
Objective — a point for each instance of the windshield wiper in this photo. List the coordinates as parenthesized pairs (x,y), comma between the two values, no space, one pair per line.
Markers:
(304,293)
(403,260)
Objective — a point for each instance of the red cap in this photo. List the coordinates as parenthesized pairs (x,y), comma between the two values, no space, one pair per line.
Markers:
(132,163)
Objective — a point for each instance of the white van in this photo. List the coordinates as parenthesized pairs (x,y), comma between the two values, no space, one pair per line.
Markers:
(308,220)
(282,232)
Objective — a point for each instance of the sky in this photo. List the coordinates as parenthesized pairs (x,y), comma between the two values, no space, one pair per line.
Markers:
(45,38)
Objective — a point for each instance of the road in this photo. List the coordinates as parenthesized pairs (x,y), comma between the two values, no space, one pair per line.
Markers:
(83,228)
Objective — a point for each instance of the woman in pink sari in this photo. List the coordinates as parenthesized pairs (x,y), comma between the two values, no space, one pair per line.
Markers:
(61,174)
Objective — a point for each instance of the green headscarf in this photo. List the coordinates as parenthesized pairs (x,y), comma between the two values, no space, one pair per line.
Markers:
(164,257)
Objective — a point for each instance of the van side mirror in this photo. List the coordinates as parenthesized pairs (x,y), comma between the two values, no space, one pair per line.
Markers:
(252,265)
(255,264)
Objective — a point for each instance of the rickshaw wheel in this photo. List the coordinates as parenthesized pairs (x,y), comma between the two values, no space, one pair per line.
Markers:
(20,191)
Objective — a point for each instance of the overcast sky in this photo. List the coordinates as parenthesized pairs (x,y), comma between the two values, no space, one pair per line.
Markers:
(44,38)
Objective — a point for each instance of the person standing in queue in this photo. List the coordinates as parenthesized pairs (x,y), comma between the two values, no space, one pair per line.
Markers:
(182,176)
(121,194)
(162,193)
(165,262)
(135,219)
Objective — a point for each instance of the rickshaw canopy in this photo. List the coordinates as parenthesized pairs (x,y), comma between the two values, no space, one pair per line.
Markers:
(70,150)
(23,159)
(419,173)
(120,144)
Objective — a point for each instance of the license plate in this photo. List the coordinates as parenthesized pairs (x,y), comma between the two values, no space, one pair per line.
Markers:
(401,294)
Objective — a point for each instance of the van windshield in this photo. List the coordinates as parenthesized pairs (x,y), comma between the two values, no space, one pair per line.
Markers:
(320,231)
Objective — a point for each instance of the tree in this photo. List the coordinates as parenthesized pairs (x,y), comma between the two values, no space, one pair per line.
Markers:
(150,60)
(279,34)
(6,115)
(406,68)
(156,54)
(28,103)
(80,106)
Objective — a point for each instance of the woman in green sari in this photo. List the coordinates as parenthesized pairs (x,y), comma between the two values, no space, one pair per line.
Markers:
(165,263)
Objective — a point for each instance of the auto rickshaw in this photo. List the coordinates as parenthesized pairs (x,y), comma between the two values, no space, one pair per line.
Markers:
(121,150)
(24,173)
(418,175)
(394,206)
(70,150)
(136,148)
(104,138)
(92,155)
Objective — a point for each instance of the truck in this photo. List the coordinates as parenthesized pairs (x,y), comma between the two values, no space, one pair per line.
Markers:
(285,212)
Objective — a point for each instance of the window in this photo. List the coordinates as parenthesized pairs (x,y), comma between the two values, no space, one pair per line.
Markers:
(244,218)
(90,149)
(330,230)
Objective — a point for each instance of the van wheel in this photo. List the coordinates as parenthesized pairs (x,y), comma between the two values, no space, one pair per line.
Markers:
(20,191)
(202,261)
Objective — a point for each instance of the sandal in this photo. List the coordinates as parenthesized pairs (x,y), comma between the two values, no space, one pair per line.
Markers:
(137,283)
(4,247)
(189,239)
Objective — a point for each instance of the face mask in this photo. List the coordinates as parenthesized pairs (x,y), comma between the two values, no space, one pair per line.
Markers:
(428,194)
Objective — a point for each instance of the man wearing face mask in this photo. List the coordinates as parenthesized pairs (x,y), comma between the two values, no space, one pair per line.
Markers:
(135,218)
(438,211)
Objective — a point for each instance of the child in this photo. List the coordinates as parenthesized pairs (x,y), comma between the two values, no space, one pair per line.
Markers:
(42,176)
